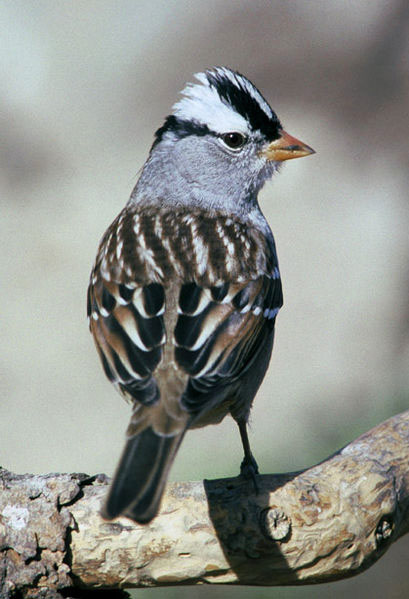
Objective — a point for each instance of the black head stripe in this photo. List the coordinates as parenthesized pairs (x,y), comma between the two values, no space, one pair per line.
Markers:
(239,98)
(181,128)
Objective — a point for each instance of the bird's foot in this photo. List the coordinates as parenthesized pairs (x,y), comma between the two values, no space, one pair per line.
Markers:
(249,471)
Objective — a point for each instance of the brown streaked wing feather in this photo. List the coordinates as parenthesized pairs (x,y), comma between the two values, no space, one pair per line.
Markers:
(218,343)
(128,329)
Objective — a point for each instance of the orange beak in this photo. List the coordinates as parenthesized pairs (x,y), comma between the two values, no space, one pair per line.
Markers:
(286,147)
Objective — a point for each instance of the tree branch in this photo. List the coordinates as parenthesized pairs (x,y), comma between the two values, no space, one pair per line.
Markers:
(328,522)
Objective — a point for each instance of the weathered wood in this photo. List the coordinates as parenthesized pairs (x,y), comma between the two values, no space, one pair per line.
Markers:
(328,522)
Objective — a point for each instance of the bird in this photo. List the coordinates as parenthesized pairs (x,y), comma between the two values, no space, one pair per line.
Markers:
(186,287)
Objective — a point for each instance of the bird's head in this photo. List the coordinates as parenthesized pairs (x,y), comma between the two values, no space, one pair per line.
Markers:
(221,142)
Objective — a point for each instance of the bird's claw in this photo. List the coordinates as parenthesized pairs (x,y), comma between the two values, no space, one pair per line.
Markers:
(249,471)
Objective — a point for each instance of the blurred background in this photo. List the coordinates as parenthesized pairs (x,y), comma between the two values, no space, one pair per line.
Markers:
(84,85)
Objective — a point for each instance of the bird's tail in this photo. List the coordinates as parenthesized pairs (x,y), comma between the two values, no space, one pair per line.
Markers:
(139,481)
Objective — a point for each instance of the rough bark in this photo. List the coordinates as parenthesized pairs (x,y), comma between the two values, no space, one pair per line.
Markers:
(328,522)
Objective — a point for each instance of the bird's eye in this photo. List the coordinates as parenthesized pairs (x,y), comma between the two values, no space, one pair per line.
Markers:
(234,140)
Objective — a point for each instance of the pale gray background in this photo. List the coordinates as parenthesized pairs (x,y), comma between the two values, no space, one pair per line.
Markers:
(84,85)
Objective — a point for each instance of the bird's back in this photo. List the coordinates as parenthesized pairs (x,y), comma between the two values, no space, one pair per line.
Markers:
(177,303)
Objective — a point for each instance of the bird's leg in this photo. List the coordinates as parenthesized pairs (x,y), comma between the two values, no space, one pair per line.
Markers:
(248,468)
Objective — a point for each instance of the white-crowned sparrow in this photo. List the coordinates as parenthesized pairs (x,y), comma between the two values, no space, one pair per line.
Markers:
(185,288)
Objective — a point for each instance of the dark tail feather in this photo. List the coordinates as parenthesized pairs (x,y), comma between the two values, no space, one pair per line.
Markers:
(141,475)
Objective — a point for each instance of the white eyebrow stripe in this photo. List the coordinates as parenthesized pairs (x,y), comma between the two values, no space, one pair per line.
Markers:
(202,103)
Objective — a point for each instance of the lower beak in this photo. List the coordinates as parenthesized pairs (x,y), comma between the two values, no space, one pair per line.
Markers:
(286,147)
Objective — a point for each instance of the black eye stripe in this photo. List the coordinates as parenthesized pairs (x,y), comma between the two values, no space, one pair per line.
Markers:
(181,128)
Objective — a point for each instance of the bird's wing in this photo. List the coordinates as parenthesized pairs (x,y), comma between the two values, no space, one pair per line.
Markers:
(219,333)
(127,324)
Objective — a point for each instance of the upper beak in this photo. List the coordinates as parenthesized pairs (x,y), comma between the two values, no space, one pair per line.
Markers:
(286,147)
